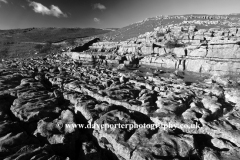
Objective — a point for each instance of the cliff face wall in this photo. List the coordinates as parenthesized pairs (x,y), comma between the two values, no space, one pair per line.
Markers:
(214,51)
(219,59)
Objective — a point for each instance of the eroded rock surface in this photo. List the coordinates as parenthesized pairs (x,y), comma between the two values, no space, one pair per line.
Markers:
(57,108)
(184,47)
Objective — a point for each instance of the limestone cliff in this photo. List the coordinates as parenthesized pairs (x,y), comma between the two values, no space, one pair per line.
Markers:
(214,51)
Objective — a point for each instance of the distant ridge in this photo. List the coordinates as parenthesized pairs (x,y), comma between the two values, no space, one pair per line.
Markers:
(200,20)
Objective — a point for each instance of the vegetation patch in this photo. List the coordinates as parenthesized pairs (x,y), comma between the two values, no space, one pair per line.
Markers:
(4,53)
(71,42)
(47,48)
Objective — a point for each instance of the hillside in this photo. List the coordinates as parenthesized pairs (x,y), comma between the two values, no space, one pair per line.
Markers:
(202,21)
(47,34)
(21,42)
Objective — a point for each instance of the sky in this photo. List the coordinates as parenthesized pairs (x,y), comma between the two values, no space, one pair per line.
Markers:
(101,13)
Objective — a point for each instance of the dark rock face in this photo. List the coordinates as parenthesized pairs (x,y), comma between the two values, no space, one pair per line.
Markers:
(52,108)
(85,46)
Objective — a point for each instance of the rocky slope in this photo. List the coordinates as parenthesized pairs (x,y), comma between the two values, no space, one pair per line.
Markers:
(38,96)
(203,21)
(181,47)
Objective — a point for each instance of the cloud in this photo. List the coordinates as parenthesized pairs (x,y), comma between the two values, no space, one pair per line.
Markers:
(4,1)
(99,6)
(53,11)
(96,20)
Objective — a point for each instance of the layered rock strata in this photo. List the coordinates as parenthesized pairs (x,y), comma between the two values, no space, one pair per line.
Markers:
(213,51)
(44,101)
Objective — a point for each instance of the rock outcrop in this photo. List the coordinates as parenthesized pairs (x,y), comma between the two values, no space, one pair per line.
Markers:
(213,51)
(58,107)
